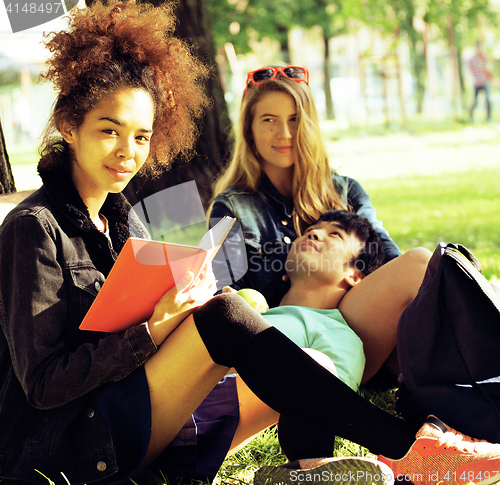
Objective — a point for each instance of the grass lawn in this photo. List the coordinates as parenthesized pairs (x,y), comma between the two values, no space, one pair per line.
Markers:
(460,208)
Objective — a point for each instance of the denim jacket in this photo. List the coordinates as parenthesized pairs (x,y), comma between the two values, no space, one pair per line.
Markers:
(53,261)
(267,229)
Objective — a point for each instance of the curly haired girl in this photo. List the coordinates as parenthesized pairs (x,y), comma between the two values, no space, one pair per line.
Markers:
(129,98)
(126,45)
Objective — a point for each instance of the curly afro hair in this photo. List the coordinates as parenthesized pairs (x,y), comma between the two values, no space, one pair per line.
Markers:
(126,44)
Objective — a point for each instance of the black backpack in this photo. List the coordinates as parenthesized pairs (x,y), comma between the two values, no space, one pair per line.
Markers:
(449,347)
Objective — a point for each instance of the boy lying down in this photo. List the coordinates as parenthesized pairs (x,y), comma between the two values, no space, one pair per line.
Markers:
(333,255)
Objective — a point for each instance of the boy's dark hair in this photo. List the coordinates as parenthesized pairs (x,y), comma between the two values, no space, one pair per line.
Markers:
(371,255)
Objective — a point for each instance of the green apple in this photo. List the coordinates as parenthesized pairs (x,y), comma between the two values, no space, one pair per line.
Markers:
(255,299)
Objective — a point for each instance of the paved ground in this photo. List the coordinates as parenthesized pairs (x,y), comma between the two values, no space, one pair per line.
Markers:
(402,155)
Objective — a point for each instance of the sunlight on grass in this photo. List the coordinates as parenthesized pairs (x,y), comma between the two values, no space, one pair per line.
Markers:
(461,208)
(262,451)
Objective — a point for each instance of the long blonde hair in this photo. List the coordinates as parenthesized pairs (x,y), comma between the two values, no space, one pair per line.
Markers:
(313,189)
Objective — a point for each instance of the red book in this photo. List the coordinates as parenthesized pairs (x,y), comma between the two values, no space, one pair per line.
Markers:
(143,272)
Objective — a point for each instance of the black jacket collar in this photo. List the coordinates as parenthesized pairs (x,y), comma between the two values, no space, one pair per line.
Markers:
(62,191)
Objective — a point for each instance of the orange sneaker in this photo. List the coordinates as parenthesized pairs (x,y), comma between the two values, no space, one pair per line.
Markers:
(441,455)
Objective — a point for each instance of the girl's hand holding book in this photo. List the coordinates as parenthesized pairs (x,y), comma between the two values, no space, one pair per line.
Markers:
(179,302)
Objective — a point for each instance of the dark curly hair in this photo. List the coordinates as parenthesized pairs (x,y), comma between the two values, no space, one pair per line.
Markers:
(125,44)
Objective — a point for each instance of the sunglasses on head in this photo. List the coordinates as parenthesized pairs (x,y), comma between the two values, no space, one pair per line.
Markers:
(259,76)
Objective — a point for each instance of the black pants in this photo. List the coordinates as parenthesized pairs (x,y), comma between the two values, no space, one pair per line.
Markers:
(484,88)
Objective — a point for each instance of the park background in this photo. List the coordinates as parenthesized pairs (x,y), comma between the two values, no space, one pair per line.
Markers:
(392,86)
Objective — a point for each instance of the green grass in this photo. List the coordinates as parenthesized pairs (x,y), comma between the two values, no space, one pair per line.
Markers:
(189,235)
(458,208)
(264,449)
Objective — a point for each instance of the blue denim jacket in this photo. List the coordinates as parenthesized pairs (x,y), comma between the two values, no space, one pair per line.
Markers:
(52,263)
(267,230)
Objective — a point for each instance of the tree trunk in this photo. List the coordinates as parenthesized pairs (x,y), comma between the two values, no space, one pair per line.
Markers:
(399,73)
(455,79)
(385,85)
(6,178)
(284,44)
(212,148)
(330,110)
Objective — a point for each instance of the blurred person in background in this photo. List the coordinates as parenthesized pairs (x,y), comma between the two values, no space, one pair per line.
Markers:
(478,65)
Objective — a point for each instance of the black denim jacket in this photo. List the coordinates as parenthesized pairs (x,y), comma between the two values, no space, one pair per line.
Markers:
(53,261)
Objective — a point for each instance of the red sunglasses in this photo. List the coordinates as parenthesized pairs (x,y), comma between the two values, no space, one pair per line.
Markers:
(259,76)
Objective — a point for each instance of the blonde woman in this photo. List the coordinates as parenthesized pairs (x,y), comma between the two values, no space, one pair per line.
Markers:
(279,181)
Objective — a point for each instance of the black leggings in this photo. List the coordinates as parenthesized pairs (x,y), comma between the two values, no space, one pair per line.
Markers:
(298,440)
(291,382)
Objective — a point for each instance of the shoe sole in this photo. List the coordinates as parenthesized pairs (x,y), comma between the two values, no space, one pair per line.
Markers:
(342,471)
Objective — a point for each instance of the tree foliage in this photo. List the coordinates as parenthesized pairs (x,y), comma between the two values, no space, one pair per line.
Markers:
(455,20)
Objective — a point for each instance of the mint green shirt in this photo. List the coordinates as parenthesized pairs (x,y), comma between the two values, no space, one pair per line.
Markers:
(325,331)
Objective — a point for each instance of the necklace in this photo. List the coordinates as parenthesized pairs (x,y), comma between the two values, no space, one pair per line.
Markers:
(104,221)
